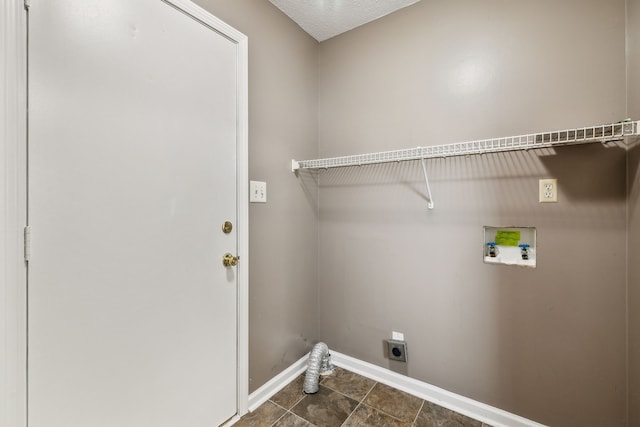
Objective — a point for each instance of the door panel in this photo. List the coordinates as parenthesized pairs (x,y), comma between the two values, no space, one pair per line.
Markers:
(132,156)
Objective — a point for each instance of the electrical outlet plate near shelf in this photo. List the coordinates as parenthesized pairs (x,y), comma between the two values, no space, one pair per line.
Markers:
(548,191)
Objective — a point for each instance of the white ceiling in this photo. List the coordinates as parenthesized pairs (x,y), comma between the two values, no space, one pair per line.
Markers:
(324,19)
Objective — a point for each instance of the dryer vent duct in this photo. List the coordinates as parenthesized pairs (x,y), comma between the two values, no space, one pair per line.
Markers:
(319,364)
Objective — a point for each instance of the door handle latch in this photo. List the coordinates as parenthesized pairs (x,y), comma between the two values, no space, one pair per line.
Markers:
(229,260)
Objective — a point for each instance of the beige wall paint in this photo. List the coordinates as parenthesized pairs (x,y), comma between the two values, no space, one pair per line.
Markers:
(634,285)
(633,58)
(546,343)
(283,232)
(633,94)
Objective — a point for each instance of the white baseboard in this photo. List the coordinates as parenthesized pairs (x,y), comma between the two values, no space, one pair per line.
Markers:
(471,408)
(277,383)
(231,422)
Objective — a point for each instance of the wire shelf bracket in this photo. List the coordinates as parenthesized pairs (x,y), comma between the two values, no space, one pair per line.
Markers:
(430,204)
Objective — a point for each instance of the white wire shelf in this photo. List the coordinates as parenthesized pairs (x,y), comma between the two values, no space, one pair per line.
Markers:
(602,133)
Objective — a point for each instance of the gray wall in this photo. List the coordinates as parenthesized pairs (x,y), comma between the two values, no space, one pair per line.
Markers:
(633,58)
(633,92)
(283,74)
(634,285)
(546,343)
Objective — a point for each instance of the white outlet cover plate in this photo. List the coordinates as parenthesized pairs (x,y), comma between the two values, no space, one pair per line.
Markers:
(548,190)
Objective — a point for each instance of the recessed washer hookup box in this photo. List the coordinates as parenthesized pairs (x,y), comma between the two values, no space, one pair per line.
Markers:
(510,246)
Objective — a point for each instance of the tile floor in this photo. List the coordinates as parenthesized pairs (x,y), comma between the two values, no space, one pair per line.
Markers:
(346,399)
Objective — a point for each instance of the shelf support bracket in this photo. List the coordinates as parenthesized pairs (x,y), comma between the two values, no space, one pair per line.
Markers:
(426,181)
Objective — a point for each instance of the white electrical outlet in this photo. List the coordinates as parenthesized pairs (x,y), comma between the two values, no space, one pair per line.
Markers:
(257,192)
(548,189)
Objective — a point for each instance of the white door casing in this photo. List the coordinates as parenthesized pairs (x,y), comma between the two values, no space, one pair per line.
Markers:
(126,282)
(12,214)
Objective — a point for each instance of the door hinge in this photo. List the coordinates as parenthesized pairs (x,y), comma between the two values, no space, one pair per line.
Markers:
(27,243)
(27,4)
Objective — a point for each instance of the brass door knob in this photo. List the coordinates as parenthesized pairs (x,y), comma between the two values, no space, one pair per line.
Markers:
(229,260)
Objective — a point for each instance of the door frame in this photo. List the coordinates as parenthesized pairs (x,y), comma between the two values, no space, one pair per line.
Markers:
(13,212)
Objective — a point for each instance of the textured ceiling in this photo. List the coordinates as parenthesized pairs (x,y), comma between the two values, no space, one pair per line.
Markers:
(324,19)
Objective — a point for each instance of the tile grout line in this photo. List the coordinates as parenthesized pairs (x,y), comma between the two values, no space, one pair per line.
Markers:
(418,414)
(346,395)
(351,413)
(295,404)
(298,401)
(386,413)
(370,390)
(278,405)
(339,392)
(288,411)
(281,416)
(360,402)
(303,419)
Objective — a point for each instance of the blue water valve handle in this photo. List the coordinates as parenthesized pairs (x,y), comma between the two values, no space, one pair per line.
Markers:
(524,245)
(492,251)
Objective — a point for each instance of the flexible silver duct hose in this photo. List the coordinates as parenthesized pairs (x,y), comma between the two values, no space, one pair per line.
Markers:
(319,363)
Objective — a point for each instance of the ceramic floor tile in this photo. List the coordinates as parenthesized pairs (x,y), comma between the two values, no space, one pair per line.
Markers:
(264,416)
(346,382)
(291,394)
(432,415)
(337,405)
(326,408)
(292,420)
(394,402)
(366,416)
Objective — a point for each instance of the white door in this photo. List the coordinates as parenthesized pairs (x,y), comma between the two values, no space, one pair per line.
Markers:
(132,173)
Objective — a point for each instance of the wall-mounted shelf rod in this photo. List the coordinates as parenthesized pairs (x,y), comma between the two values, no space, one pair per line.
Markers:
(602,133)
